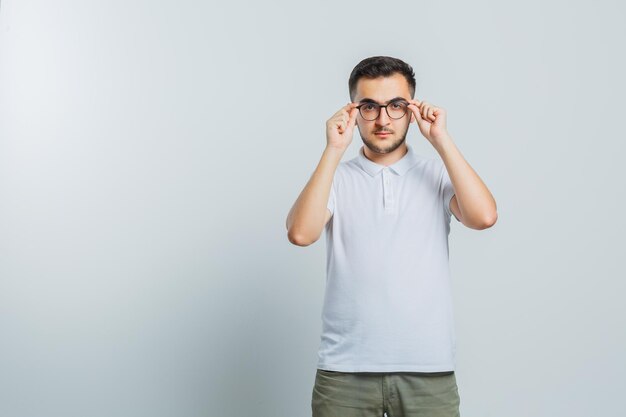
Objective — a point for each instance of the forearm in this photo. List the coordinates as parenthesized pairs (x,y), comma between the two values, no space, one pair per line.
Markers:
(476,203)
(306,218)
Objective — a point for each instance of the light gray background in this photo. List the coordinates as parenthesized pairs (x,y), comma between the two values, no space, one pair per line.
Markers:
(151,150)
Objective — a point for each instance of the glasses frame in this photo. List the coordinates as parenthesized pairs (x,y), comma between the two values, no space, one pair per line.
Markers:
(380,106)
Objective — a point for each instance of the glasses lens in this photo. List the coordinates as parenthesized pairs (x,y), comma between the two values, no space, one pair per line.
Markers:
(397,109)
(369,111)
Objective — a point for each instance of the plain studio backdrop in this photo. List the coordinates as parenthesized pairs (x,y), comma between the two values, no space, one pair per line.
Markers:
(151,150)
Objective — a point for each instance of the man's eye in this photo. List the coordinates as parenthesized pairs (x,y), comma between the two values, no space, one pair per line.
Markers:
(369,107)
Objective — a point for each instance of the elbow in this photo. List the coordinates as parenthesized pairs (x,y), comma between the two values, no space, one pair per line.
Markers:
(488,221)
(299,240)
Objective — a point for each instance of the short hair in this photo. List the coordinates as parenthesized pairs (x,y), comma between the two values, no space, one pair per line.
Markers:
(380,66)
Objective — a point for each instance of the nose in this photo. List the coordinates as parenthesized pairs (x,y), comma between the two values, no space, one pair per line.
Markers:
(383,118)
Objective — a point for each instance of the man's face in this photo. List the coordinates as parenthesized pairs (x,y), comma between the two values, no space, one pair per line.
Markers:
(382,90)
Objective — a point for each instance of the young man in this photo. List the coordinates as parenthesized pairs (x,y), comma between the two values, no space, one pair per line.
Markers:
(388,342)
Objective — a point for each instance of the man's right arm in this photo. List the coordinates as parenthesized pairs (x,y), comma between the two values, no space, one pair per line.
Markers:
(309,214)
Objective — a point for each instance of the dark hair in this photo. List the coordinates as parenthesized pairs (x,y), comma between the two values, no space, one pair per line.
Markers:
(381,66)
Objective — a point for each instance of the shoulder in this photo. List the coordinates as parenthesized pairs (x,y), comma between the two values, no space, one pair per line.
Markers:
(345,169)
(439,168)
(427,168)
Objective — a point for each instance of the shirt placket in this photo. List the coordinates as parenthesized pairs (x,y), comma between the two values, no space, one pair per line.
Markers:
(389,200)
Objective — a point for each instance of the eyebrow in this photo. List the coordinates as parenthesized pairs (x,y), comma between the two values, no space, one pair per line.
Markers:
(369,100)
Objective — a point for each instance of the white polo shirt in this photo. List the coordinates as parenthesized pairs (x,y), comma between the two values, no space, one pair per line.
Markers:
(387,304)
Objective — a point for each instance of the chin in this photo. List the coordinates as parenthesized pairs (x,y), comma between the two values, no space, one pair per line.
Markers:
(383,145)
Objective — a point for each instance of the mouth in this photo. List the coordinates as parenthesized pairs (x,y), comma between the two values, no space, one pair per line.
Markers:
(382,134)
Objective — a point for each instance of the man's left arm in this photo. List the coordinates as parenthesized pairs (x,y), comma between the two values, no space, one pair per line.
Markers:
(472,203)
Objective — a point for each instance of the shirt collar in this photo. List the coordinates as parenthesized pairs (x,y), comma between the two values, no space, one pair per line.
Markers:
(399,167)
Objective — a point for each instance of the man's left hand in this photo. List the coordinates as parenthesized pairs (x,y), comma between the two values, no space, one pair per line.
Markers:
(431,121)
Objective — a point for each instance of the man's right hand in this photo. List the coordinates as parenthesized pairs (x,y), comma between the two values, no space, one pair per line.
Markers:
(309,214)
(340,126)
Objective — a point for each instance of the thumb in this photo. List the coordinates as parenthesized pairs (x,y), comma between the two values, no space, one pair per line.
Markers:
(352,121)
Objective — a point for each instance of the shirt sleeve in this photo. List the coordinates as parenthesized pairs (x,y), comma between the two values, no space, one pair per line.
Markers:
(447,192)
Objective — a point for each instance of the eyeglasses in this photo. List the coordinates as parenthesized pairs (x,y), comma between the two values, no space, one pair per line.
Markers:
(395,110)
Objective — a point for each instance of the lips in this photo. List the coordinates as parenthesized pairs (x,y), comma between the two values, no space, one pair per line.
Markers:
(383,134)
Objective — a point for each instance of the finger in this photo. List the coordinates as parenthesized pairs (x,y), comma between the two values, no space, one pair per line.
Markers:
(341,126)
(441,115)
(416,112)
(414,109)
(419,120)
(435,112)
(424,118)
(347,121)
(353,114)
(340,123)
(345,112)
